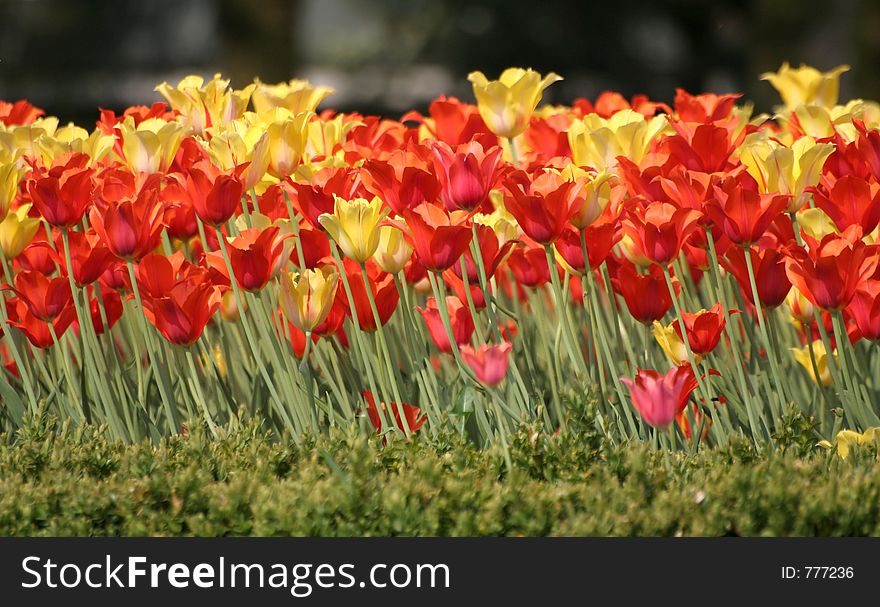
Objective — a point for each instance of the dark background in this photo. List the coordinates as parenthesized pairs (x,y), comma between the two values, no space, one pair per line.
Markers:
(71,56)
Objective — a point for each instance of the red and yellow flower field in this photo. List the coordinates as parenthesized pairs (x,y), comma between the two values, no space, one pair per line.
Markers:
(225,254)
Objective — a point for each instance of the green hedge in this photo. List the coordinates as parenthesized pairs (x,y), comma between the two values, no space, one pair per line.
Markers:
(56,480)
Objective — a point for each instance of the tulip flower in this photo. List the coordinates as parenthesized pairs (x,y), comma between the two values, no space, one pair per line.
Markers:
(659,398)
(865,309)
(593,196)
(436,239)
(452,122)
(306,298)
(599,239)
(64,192)
(400,186)
(491,254)
(802,356)
(394,251)
(850,201)
(466,174)
(382,289)
(19,113)
(488,362)
(703,108)
(744,215)
(845,440)
(669,339)
(36,330)
(202,105)
(132,228)
(10,176)
(829,273)
(354,225)
(46,298)
(413,415)
(704,328)
(529,266)
(214,201)
(784,170)
(459,318)
(543,206)
(659,230)
(89,256)
(17,231)
(506,104)
(150,146)
(598,142)
(804,85)
(181,315)
(646,295)
(296,96)
(255,256)
(288,135)
(771,278)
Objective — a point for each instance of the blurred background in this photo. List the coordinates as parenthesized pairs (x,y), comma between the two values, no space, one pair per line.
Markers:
(69,57)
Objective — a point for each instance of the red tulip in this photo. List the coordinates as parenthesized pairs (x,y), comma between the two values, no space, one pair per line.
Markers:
(412,414)
(492,255)
(133,228)
(64,192)
(454,122)
(659,230)
(89,256)
(659,398)
(255,255)
(529,266)
(703,108)
(541,207)
(181,315)
(489,363)
(38,256)
(466,174)
(771,279)
(459,318)
(315,198)
(214,201)
(599,239)
(851,201)
(865,309)
(46,298)
(400,187)
(742,213)
(437,240)
(646,295)
(383,289)
(36,330)
(703,328)
(112,304)
(831,270)
(19,113)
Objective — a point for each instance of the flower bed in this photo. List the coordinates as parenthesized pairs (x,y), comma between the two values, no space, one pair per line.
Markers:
(231,253)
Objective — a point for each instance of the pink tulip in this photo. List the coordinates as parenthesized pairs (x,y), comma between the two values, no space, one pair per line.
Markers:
(489,363)
(659,398)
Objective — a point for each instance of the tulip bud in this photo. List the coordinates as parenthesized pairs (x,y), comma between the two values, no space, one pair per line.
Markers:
(802,356)
(394,251)
(16,231)
(671,343)
(800,307)
(354,225)
(306,298)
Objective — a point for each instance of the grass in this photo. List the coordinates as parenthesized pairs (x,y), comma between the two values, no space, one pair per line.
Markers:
(59,480)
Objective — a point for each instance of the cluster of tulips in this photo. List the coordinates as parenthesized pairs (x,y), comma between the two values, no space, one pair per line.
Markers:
(702,270)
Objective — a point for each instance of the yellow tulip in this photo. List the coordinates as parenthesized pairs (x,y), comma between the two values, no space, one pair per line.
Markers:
(597,141)
(806,85)
(96,145)
(10,177)
(21,141)
(16,231)
(671,343)
(800,307)
(802,356)
(502,223)
(205,105)
(297,96)
(306,298)
(354,225)
(847,439)
(507,104)
(237,142)
(786,170)
(288,136)
(325,135)
(151,146)
(816,223)
(595,192)
(394,251)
